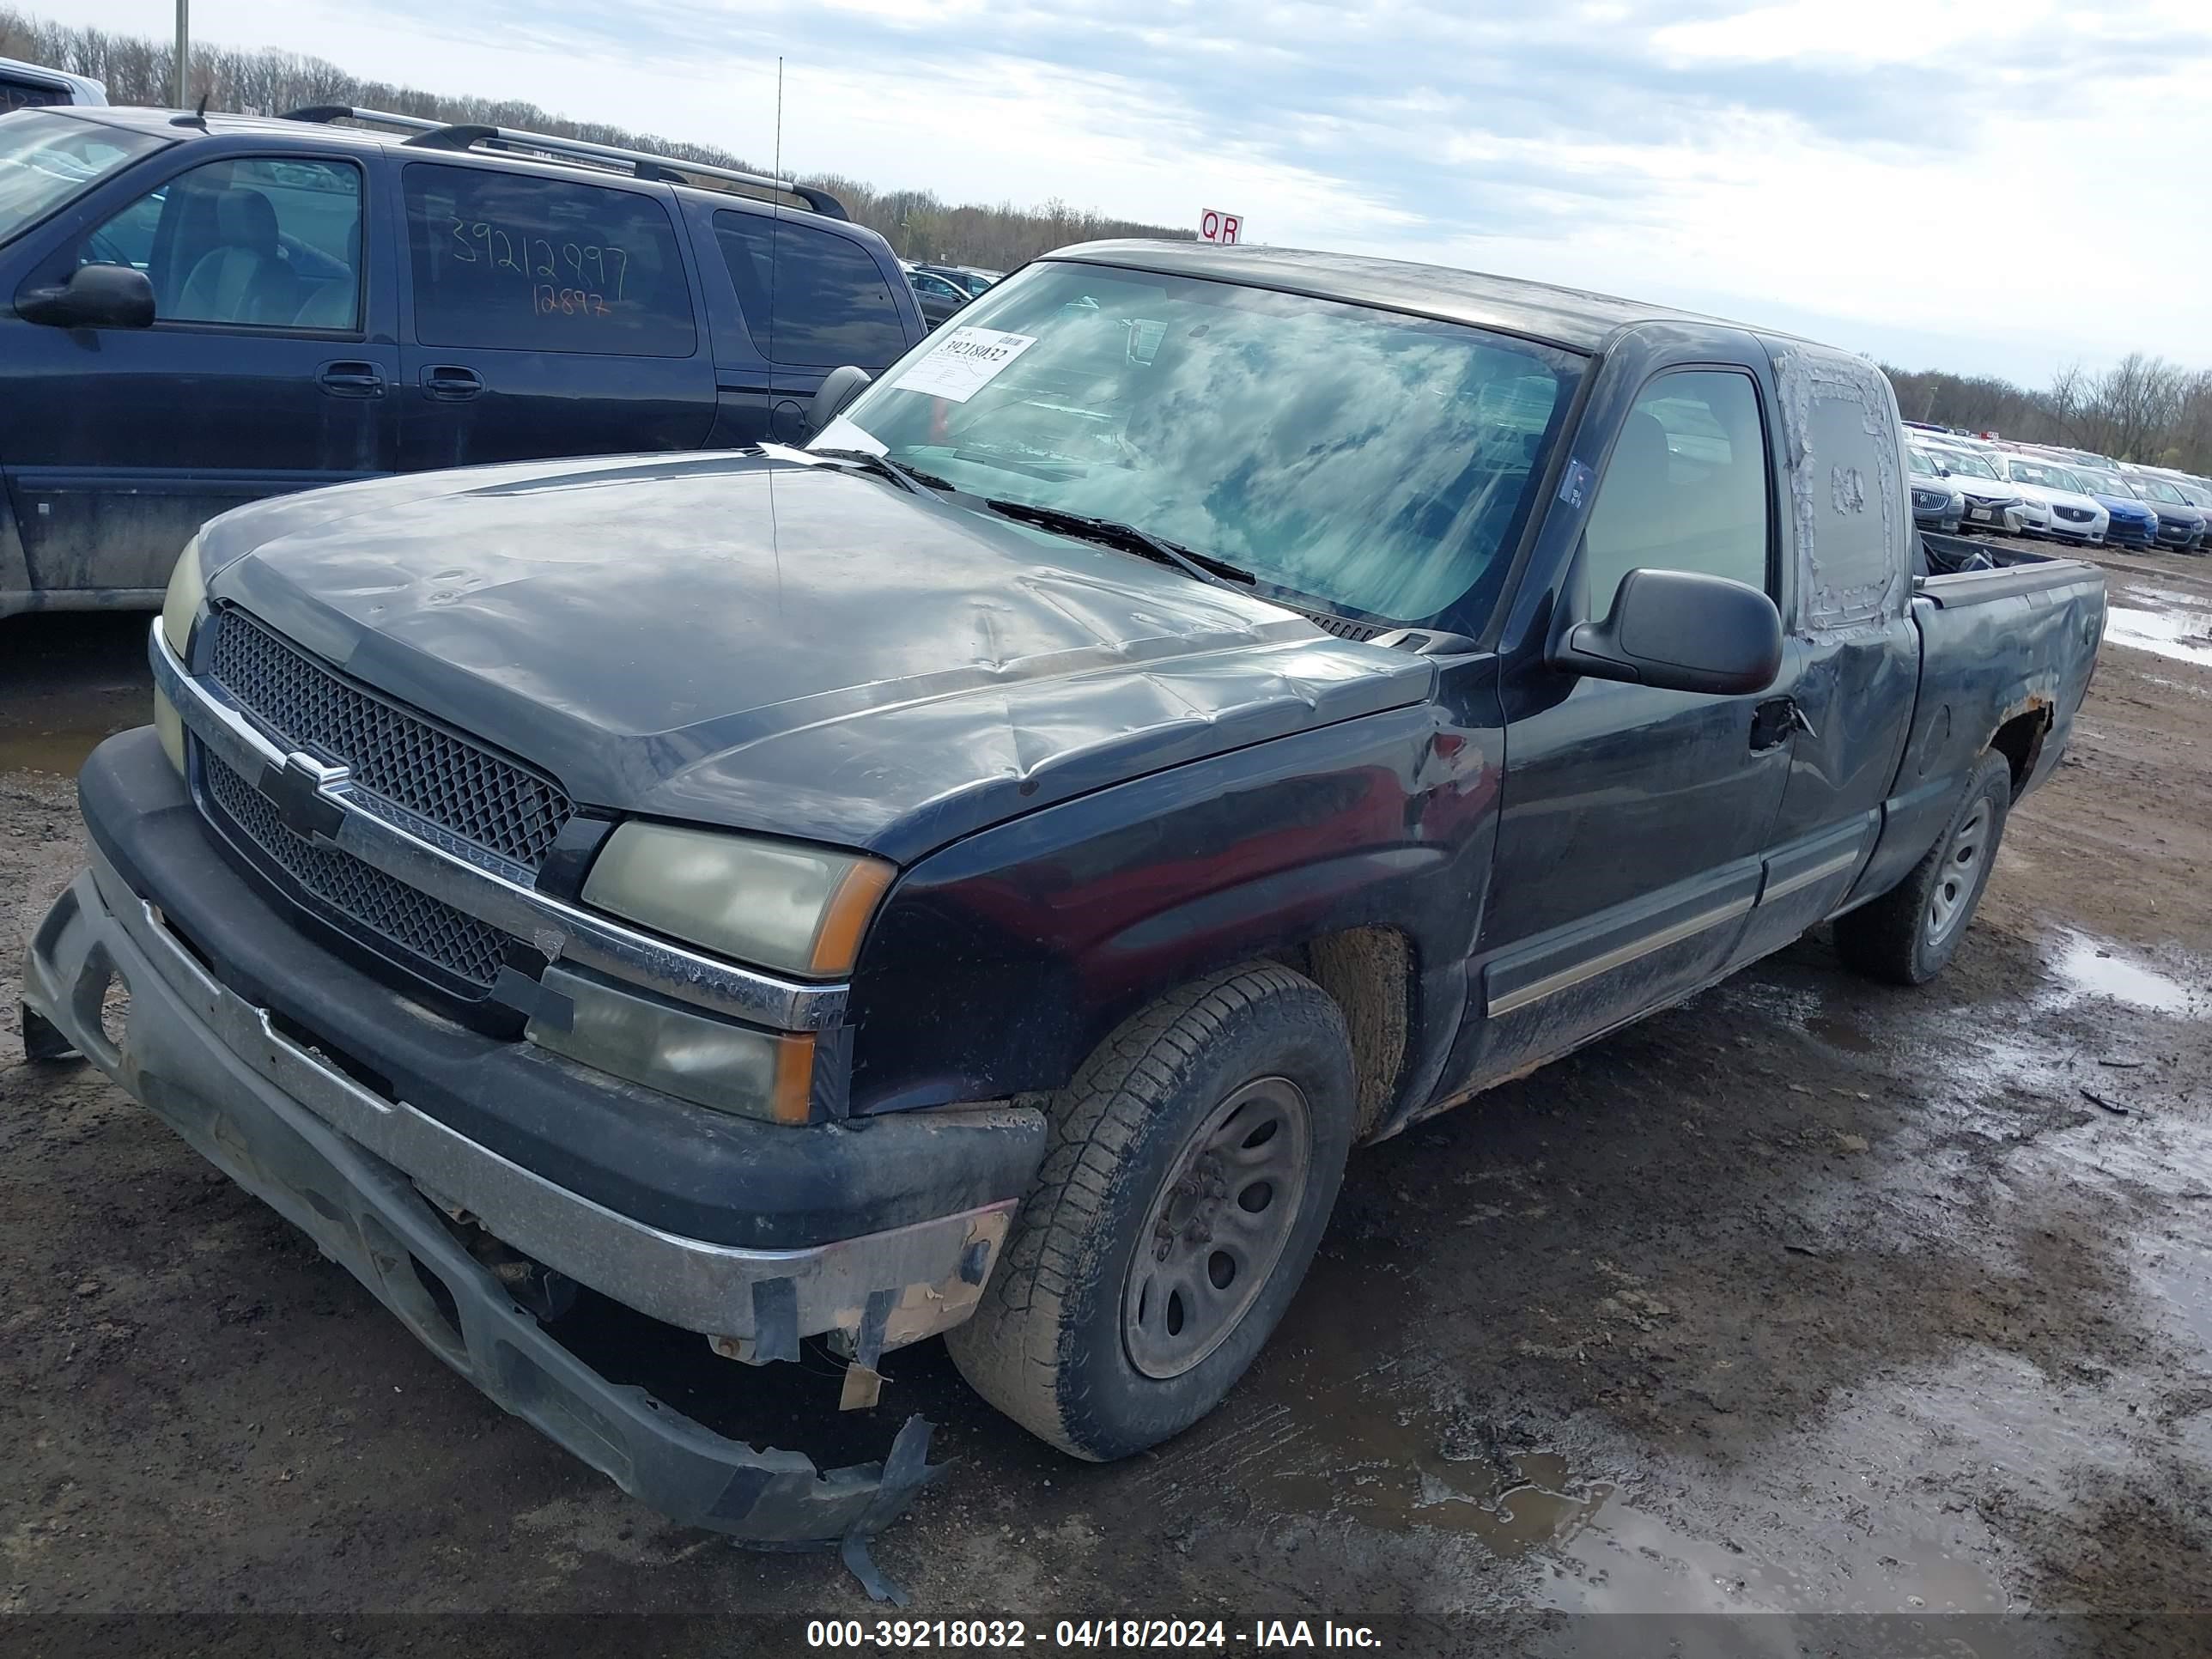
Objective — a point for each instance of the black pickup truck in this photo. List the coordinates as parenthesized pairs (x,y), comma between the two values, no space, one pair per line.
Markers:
(982,872)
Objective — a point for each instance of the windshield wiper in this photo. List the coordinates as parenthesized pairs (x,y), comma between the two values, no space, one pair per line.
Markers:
(1203,567)
(883,467)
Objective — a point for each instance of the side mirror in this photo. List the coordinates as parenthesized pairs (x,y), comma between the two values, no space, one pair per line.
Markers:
(95,296)
(1681,631)
(838,388)
(1941,471)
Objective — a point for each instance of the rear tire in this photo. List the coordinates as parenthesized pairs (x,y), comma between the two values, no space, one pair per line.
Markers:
(1192,1164)
(1909,934)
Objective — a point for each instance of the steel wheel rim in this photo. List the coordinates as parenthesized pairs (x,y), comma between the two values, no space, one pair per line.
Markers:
(1962,868)
(1216,1228)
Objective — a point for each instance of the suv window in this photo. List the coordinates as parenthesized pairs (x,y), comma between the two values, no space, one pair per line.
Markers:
(507,261)
(823,303)
(259,243)
(1686,487)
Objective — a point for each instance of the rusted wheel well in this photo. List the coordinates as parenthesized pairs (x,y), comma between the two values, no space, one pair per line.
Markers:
(1370,973)
(2020,740)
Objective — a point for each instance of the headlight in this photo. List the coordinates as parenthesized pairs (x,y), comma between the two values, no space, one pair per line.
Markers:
(187,593)
(180,608)
(777,903)
(693,1056)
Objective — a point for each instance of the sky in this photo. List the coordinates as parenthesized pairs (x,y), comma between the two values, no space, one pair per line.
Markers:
(1995,187)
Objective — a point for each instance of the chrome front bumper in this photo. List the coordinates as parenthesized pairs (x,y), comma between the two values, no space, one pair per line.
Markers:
(334,1160)
(186,1031)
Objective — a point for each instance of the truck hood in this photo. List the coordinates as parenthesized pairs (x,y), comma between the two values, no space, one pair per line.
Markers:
(766,641)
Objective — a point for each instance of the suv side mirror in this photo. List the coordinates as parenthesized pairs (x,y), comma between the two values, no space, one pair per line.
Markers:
(95,296)
(838,388)
(1682,631)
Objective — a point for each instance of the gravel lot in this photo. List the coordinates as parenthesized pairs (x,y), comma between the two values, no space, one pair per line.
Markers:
(1810,1296)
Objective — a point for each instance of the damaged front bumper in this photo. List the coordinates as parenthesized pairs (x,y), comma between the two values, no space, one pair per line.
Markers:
(366,1176)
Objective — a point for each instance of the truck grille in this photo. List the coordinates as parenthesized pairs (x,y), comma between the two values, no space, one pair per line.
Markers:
(400,757)
(359,899)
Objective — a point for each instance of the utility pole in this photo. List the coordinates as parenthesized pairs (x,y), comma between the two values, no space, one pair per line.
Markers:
(182,97)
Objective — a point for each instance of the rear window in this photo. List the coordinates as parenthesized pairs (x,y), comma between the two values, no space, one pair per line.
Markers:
(45,160)
(810,296)
(507,261)
(18,94)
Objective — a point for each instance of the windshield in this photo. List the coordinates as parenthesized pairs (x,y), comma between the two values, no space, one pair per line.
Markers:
(45,158)
(1921,462)
(2158,489)
(2194,496)
(2104,483)
(2047,478)
(1971,466)
(1379,464)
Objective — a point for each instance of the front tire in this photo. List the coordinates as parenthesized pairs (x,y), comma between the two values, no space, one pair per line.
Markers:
(1193,1165)
(1909,934)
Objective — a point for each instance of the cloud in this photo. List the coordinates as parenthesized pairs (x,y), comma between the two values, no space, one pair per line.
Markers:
(2019,176)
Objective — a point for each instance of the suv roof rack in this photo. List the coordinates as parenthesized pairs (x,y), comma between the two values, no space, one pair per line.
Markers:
(547,147)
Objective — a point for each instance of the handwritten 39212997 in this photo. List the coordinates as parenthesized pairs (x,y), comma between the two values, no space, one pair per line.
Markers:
(569,279)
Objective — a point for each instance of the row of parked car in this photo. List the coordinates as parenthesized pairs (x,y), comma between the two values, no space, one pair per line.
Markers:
(1964,483)
(941,290)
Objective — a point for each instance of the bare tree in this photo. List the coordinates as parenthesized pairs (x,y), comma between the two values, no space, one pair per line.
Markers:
(916,223)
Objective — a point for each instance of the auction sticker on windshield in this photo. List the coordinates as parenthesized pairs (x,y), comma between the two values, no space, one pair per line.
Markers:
(966,362)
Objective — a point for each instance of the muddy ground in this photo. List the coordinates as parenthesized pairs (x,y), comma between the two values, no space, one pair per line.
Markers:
(1811,1296)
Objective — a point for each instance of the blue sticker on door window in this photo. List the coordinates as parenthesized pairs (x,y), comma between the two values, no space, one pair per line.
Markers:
(1574,489)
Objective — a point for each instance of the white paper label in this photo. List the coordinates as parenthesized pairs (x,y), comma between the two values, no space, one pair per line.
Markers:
(965,362)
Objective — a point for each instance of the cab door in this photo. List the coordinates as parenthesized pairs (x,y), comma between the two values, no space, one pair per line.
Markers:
(1853,656)
(1635,819)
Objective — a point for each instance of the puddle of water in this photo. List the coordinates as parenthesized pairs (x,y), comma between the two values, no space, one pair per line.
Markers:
(2183,1278)
(2148,595)
(2175,685)
(60,753)
(2090,970)
(2185,637)
(1839,1033)
(1528,1503)
(1360,1429)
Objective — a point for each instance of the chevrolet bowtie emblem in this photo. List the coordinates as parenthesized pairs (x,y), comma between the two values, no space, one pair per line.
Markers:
(297,787)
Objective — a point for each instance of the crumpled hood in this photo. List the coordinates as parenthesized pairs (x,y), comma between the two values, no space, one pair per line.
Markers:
(764,641)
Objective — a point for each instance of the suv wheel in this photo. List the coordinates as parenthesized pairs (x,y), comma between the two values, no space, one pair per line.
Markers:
(1194,1161)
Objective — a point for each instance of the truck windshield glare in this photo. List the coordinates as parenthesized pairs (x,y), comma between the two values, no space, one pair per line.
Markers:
(1377,463)
(46,159)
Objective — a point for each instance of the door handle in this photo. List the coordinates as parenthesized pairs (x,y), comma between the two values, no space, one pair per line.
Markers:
(345,380)
(450,383)
(1773,721)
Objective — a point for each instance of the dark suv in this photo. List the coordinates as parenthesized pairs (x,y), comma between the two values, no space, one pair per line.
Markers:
(196,313)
